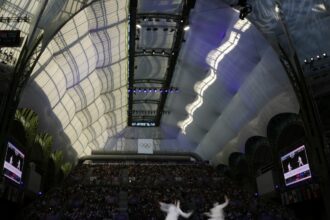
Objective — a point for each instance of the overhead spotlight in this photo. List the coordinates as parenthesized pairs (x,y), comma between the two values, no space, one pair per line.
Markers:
(163,52)
(312,59)
(145,91)
(305,61)
(144,51)
(144,18)
(173,53)
(277,8)
(138,26)
(186,28)
(181,21)
(324,55)
(317,57)
(153,52)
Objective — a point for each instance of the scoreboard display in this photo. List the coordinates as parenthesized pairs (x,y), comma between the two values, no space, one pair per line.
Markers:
(10,38)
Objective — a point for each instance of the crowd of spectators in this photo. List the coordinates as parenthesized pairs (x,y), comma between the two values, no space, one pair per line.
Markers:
(92,192)
(197,187)
(105,174)
(80,197)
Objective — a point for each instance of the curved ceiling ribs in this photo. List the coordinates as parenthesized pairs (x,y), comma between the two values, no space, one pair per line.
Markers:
(154,45)
(79,84)
(87,89)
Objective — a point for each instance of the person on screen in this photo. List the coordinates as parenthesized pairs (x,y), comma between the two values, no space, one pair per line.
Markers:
(173,211)
(216,213)
(300,162)
(289,167)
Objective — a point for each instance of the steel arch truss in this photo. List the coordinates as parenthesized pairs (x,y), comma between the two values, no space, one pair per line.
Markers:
(155,39)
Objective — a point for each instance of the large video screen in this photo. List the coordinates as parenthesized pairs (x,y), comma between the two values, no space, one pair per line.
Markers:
(13,165)
(295,166)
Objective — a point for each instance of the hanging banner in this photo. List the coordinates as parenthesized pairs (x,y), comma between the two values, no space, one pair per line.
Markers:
(145,146)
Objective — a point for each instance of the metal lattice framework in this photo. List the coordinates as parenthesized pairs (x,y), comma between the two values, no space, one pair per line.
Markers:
(158,37)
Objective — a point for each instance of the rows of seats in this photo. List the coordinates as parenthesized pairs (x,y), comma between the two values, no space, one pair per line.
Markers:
(92,192)
(197,187)
(78,198)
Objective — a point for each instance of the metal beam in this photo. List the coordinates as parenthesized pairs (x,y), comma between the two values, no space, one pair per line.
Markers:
(156,81)
(180,21)
(176,48)
(143,54)
(174,17)
(146,101)
(132,33)
(144,118)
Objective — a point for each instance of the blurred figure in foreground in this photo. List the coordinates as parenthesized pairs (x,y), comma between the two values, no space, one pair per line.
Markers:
(216,213)
(173,211)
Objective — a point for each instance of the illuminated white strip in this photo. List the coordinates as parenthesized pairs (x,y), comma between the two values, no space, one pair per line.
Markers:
(13,169)
(319,8)
(213,59)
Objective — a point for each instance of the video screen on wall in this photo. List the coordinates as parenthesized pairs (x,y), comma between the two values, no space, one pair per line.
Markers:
(13,166)
(295,166)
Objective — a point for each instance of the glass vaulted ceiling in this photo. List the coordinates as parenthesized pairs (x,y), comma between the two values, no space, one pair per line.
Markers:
(79,85)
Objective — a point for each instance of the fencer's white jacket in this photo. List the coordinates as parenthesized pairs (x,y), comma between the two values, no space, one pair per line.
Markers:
(217,211)
(173,212)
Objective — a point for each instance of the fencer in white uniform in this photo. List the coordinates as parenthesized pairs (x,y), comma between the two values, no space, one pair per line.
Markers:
(173,211)
(216,213)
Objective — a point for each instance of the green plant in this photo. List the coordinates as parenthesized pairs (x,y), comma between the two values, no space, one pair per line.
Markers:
(46,141)
(66,168)
(57,157)
(30,122)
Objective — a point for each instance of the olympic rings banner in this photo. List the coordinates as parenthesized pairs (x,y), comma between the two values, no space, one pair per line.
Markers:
(145,146)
